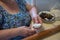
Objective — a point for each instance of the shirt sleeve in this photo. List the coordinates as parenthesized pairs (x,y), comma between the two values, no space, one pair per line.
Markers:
(22,4)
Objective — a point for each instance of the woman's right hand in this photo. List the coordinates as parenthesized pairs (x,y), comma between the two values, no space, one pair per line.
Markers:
(26,31)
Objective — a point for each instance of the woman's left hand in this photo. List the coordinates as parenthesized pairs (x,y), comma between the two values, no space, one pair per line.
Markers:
(37,19)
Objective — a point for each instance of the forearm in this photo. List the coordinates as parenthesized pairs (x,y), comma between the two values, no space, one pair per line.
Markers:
(33,12)
(9,33)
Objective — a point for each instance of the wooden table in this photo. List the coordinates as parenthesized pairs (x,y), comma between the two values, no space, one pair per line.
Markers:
(51,32)
(49,26)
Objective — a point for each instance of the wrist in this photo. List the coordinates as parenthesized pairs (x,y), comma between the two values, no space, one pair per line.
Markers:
(33,12)
(33,15)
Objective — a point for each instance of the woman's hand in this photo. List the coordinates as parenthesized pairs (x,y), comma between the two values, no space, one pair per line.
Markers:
(26,31)
(37,19)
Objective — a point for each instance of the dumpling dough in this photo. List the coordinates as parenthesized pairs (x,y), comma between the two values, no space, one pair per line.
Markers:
(36,25)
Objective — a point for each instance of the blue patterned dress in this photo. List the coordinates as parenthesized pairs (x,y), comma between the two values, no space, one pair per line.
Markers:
(21,18)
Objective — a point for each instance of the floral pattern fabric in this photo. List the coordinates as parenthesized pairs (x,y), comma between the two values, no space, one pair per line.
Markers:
(21,18)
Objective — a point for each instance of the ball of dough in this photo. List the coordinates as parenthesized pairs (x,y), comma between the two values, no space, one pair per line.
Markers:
(36,25)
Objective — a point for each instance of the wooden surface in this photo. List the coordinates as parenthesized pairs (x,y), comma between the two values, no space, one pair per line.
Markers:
(48,34)
(49,26)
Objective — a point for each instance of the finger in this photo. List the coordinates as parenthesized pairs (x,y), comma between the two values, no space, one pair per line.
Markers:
(39,20)
(35,20)
(33,31)
(31,26)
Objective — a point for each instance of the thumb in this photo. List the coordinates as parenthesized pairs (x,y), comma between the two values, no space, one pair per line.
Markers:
(33,31)
(35,20)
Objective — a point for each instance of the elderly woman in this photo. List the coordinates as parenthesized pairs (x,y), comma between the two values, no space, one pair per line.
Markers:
(15,18)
